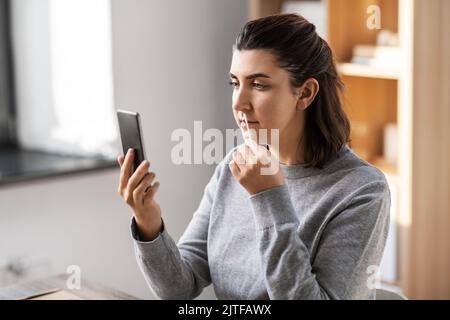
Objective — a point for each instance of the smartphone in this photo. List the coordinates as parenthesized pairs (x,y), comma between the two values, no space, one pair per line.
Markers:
(131,135)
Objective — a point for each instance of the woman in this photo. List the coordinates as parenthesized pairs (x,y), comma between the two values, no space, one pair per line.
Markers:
(315,229)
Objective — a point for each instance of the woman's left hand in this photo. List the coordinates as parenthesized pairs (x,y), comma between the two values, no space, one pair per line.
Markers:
(255,168)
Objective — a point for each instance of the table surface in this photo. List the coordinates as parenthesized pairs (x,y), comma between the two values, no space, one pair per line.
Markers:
(88,291)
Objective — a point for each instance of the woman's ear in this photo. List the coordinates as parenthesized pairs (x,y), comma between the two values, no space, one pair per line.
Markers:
(307,93)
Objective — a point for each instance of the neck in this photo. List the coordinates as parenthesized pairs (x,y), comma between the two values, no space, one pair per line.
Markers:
(289,151)
(288,154)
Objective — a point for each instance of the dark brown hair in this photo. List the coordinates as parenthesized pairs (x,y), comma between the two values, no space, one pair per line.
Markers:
(304,54)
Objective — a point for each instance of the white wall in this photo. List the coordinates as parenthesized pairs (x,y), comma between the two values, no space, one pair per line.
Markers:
(171,60)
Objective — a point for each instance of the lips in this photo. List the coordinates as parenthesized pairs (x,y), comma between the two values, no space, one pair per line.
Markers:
(250,123)
(244,121)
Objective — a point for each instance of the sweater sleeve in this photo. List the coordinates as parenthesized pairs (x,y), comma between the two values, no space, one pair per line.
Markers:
(351,242)
(179,271)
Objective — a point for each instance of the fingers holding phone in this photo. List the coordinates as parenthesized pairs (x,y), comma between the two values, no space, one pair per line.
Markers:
(137,187)
(138,191)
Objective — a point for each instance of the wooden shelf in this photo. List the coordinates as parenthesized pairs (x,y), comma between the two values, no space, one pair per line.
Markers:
(359,70)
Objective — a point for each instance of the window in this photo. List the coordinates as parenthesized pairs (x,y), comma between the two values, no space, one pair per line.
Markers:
(56,84)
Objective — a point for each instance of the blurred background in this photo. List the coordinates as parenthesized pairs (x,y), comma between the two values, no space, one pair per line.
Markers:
(66,65)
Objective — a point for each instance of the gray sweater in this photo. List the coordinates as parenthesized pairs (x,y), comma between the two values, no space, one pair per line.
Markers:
(319,236)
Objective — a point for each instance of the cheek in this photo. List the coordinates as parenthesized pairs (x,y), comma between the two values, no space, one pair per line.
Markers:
(273,114)
(279,118)
(266,107)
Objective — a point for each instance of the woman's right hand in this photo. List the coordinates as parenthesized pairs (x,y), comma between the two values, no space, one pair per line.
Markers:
(138,192)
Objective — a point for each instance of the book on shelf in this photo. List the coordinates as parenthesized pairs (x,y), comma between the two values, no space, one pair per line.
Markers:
(377,56)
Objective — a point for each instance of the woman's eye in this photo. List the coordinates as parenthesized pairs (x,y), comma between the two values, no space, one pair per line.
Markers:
(255,85)
(233,84)
(259,86)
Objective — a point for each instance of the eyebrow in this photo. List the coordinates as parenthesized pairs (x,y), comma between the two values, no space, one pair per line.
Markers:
(253,76)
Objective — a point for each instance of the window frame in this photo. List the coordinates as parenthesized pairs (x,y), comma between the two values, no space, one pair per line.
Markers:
(8,134)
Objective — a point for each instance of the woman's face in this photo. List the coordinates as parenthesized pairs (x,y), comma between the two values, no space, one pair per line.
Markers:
(263,92)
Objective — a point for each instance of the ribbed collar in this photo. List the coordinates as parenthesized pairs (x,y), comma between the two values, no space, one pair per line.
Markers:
(301,171)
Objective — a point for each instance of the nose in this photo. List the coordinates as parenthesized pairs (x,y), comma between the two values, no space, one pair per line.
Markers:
(241,100)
